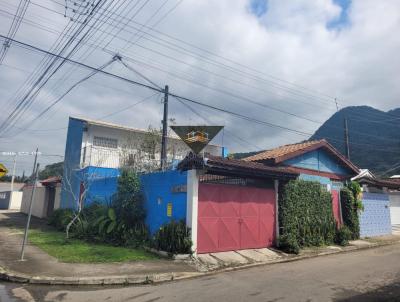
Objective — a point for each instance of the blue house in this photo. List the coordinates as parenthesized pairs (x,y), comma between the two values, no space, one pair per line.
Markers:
(95,152)
(315,161)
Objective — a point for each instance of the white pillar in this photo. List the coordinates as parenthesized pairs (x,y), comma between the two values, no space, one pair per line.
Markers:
(192,205)
(276,185)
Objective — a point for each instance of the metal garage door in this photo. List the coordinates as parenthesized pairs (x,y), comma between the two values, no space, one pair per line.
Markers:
(234,217)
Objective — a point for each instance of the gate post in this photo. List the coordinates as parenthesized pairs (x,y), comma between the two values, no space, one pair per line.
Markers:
(276,185)
(192,205)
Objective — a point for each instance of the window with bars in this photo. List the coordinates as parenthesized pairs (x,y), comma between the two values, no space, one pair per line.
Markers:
(106,142)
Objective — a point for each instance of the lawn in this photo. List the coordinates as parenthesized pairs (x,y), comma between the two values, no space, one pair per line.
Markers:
(79,251)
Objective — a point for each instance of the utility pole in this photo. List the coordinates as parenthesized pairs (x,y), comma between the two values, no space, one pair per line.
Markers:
(346,139)
(164,141)
(35,176)
(13,173)
(337,107)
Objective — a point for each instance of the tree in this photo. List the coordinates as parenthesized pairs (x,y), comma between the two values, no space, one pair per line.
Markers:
(51,170)
(128,202)
(139,153)
(73,178)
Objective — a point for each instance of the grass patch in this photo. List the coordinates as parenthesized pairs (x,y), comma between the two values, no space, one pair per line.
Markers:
(79,251)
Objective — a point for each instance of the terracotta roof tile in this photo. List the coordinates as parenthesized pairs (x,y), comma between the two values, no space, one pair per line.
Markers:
(234,165)
(283,150)
(280,154)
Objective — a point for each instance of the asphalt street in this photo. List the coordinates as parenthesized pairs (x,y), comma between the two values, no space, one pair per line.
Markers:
(367,275)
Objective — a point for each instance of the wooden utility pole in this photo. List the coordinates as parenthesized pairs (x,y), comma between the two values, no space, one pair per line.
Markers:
(346,139)
(164,141)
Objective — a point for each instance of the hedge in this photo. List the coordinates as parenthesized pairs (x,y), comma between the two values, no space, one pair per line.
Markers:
(305,216)
(350,212)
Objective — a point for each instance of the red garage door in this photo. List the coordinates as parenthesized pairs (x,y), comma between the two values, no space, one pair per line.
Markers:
(234,217)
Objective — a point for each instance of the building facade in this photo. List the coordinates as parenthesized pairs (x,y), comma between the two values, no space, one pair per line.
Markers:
(96,150)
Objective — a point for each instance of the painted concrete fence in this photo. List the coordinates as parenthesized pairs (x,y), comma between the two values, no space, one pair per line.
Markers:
(375,219)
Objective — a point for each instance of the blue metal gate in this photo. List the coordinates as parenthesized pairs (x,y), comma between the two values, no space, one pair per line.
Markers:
(375,219)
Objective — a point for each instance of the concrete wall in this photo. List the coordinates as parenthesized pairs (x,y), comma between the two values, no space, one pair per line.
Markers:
(319,160)
(10,200)
(57,199)
(102,184)
(375,219)
(159,195)
(15,200)
(39,208)
(394,198)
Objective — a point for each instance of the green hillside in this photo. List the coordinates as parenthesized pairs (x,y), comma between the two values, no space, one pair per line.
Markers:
(374,137)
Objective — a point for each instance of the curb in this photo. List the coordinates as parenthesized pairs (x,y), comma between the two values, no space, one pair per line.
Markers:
(11,276)
(111,280)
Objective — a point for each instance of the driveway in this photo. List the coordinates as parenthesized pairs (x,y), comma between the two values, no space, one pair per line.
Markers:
(366,275)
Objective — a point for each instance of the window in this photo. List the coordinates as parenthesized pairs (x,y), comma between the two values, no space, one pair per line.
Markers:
(105,142)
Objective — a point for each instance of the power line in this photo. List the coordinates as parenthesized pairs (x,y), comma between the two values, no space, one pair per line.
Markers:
(246,99)
(21,10)
(103,19)
(242,116)
(213,62)
(67,92)
(49,71)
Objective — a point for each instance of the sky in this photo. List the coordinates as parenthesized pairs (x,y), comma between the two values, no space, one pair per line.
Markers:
(280,63)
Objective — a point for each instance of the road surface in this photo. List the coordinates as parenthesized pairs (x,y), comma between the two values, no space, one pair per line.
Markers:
(368,275)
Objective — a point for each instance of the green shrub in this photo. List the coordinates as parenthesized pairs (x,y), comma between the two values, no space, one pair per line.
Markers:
(288,243)
(120,222)
(305,214)
(60,218)
(350,212)
(174,238)
(128,204)
(343,235)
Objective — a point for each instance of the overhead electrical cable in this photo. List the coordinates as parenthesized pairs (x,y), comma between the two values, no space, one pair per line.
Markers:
(223,110)
(19,16)
(233,69)
(40,68)
(31,94)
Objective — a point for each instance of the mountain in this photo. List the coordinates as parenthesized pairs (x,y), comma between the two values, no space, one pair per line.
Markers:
(374,137)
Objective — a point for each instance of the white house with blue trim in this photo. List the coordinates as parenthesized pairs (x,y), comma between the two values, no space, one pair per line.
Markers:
(96,150)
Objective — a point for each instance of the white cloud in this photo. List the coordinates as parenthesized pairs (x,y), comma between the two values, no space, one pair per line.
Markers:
(357,63)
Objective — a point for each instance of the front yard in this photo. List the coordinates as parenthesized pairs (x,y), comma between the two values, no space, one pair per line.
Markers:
(78,251)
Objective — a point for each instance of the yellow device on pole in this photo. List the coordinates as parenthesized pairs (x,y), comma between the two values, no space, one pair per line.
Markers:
(3,170)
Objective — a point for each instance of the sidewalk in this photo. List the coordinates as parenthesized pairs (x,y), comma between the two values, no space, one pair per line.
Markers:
(39,267)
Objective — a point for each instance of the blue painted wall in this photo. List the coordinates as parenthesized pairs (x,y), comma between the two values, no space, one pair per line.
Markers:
(319,160)
(71,163)
(320,179)
(375,219)
(157,188)
(102,184)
